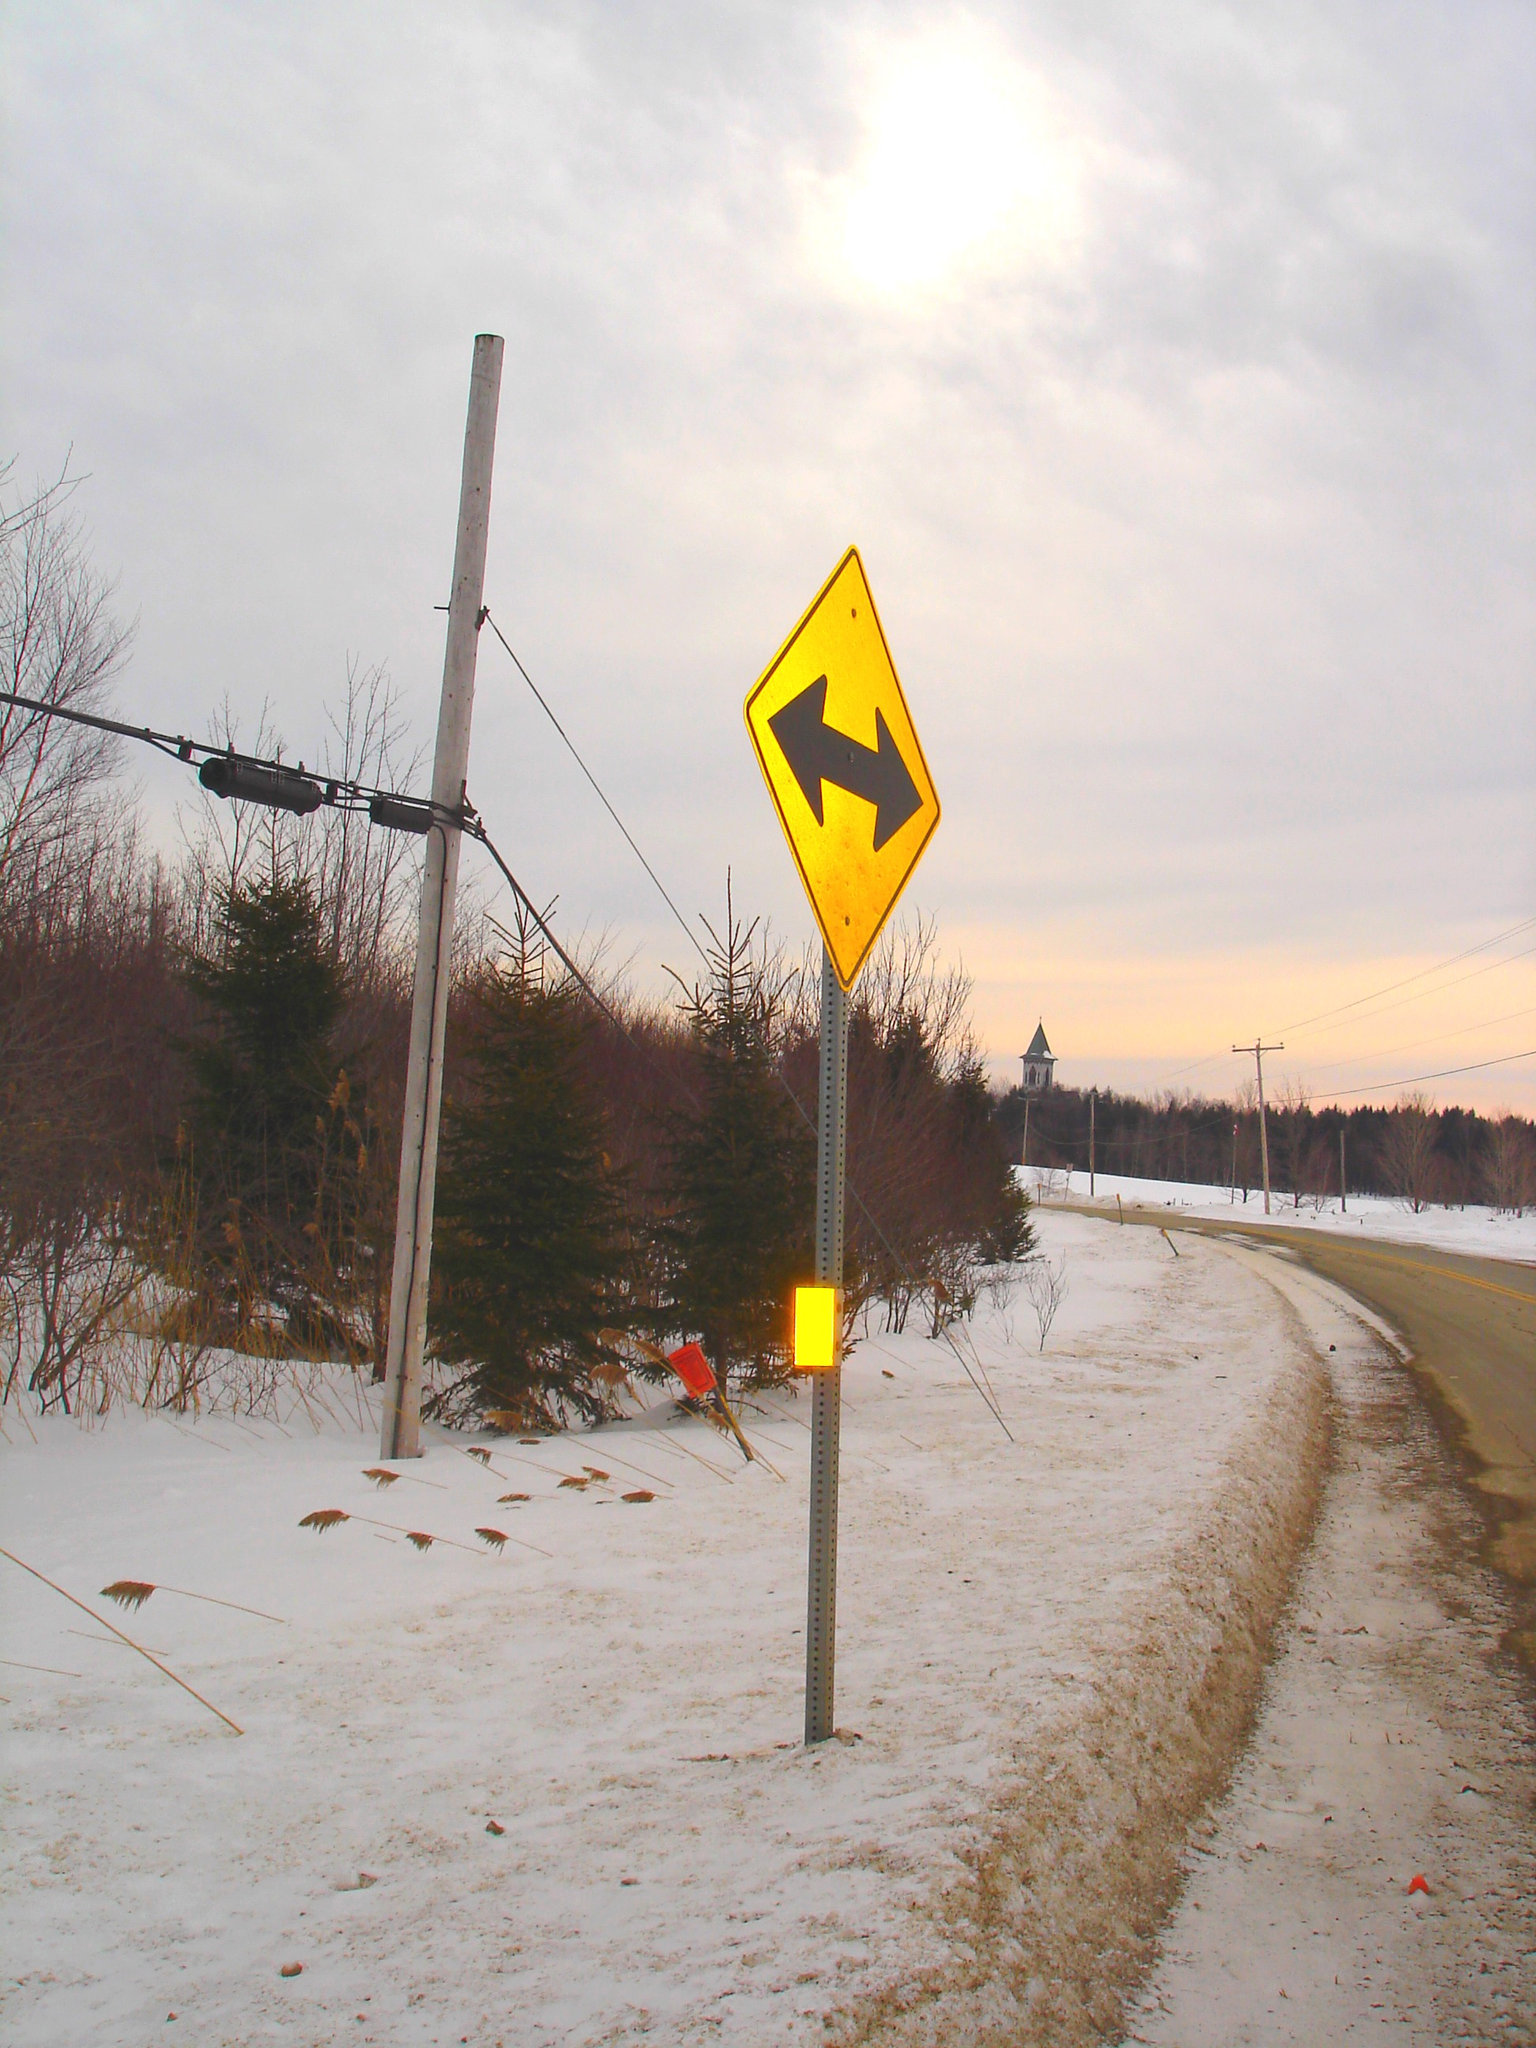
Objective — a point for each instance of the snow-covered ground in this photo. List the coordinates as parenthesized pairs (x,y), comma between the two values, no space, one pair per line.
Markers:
(1492,1233)
(558,1794)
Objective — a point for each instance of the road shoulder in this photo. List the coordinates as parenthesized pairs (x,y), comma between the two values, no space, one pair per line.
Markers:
(1391,1743)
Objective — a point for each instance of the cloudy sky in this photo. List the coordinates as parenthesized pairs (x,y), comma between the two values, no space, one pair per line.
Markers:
(1170,362)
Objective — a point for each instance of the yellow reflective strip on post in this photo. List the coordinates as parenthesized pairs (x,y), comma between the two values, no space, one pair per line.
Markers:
(815,1329)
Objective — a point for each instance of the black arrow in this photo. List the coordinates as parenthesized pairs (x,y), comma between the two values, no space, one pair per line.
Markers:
(818,753)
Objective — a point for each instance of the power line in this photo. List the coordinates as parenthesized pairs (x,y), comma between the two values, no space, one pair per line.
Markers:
(602,798)
(1195,1065)
(1323,1016)
(258,779)
(475,829)
(1422,975)
(1489,967)
(1413,1044)
(1445,1073)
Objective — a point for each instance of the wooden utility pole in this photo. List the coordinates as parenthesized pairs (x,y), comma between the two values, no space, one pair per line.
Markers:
(1258,1052)
(1232,1191)
(1343,1180)
(1093,1104)
(400,1436)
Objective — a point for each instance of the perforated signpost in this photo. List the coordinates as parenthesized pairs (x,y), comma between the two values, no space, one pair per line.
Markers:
(846,773)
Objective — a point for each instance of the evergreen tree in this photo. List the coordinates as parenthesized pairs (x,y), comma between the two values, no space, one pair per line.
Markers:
(1002,1232)
(530,1259)
(277,1144)
(741,1175)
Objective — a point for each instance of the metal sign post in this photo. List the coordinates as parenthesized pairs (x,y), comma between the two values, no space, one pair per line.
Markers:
(845,770)
(826,1399)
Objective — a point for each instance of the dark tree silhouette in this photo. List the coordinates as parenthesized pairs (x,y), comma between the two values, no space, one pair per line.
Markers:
(531,1258)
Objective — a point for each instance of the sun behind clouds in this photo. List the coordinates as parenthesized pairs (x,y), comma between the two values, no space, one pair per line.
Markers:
(964,167)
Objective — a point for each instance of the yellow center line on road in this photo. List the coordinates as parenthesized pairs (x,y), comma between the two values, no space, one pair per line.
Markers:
(1450,1272)
(1423,1266)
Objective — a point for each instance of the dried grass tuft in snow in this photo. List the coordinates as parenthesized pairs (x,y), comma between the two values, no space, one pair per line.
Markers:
(129,1593)
(1076,1866)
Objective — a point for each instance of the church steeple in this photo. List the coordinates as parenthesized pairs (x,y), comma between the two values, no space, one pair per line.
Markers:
(1039,1062)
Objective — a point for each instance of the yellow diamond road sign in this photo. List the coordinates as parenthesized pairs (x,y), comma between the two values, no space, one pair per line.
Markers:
(841,758)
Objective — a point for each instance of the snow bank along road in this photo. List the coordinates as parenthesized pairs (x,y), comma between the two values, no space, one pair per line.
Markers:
(1048,1650)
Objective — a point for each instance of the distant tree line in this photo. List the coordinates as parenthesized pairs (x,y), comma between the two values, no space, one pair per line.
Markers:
(1408,1149)
(201,1064)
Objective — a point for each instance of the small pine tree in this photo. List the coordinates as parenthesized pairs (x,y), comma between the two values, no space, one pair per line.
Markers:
(530,1259)
(277,1144)
(741,1174)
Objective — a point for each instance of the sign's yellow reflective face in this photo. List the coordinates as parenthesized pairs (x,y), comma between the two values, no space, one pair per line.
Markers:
(840,755)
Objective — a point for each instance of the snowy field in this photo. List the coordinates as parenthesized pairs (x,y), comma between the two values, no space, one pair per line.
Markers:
(1489,1233)
(557,1794)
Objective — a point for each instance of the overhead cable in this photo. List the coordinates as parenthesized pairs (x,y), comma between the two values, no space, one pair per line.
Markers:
(1414,1044)
(598,789)
(256,778)
(1445,1073)
(1423,974)
(1323,1016)
(1423,994)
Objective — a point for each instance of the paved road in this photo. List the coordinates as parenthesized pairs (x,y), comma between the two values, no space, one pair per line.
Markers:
(1470,1324)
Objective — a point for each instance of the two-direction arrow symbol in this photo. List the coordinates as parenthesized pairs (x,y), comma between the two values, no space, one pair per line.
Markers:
(818,753)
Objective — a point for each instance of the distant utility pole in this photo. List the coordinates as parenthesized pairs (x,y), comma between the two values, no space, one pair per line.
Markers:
(1232,1191)
(1093,1103)
(1258,1052)
(1343,1182)
(400,1436)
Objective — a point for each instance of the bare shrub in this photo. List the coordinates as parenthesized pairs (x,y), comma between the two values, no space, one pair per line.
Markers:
(69,1288)
(1046,1287)
(1408,1150)
(1509,1169)
(60,644)
(1290,1121)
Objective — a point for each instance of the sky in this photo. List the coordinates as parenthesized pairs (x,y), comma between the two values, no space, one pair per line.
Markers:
(1170,364)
